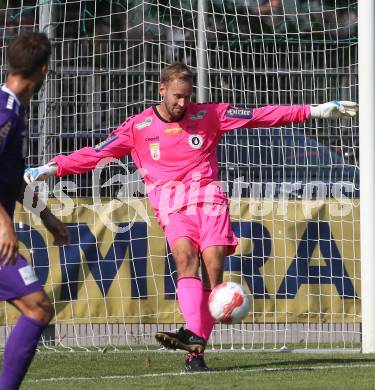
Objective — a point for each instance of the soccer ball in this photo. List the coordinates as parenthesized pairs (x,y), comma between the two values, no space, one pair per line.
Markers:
(228,303)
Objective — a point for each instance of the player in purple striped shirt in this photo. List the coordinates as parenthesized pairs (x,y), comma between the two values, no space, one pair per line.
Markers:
(27,67)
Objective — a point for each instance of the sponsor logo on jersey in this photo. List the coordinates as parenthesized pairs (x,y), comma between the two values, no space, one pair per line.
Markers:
(199,115)
(196,141)
(235,112)
(104,143)
(147,122)
(155,151)
(5,130)
(171,131)
(10,102)
(152,139)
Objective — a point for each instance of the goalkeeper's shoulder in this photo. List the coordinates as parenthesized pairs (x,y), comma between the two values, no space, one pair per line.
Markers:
(200,110)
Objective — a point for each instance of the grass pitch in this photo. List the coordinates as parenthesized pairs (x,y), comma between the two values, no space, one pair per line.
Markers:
(164,370)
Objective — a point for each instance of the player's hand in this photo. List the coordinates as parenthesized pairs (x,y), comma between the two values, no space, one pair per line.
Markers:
(334,110)
(55,227)
(41,173)
(8,243)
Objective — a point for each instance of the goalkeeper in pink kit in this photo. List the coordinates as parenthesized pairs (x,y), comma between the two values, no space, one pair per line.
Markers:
(174,145)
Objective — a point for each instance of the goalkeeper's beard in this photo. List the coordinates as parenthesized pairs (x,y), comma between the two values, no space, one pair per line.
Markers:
(175,118)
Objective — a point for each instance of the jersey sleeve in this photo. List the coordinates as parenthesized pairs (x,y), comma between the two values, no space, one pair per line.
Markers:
(118,144)
(7,121)
(231,117)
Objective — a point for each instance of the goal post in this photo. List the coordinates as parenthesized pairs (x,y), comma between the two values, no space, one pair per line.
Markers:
(366,65)
(202,63)
(294,190)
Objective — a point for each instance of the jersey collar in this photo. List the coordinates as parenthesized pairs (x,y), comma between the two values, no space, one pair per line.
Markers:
(10,92)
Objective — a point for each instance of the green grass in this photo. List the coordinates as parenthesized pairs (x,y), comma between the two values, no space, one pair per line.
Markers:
(239,370)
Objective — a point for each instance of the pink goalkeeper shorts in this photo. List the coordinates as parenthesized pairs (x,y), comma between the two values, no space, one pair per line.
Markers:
(204,230)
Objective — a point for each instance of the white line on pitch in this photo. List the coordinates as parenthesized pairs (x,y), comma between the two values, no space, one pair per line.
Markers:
(171,374)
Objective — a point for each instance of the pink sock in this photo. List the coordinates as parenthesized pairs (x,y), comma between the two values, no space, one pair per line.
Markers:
(190,293)
(207,321)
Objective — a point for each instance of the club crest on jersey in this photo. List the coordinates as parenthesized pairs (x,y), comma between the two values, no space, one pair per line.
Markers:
(199,115)
(104,143)
(155,151)
(235,112)
(147,122)
(171,131)
(196,141)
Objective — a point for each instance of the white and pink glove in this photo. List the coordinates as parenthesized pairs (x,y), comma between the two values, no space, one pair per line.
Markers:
(41,173)
(334,110)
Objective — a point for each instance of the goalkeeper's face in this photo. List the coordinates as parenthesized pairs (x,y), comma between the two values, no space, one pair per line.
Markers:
(176,96)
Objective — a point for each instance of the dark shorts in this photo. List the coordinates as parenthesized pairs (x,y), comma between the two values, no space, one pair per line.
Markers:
(17,280)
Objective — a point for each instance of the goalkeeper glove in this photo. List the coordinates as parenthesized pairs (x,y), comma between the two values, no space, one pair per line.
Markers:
(40,173)
(334,110)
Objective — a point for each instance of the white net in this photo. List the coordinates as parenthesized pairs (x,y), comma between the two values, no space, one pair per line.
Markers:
(294,191)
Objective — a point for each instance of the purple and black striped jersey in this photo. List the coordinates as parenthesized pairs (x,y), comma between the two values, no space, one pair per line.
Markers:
(13,148)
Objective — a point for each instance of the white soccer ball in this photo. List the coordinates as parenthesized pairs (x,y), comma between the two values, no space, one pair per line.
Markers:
(229,303)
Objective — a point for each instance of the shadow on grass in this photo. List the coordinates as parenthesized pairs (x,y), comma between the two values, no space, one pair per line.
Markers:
(301,364)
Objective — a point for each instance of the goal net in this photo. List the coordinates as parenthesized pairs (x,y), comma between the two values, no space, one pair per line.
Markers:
(294,190)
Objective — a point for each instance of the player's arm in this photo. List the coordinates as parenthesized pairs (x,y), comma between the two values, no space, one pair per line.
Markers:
(273,116)
(56,227)
(117,145)
(8,238)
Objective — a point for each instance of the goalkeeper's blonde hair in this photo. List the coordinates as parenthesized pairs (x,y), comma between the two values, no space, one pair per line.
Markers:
(176,71)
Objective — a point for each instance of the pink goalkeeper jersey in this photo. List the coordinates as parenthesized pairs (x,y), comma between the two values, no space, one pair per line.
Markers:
(178,159)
